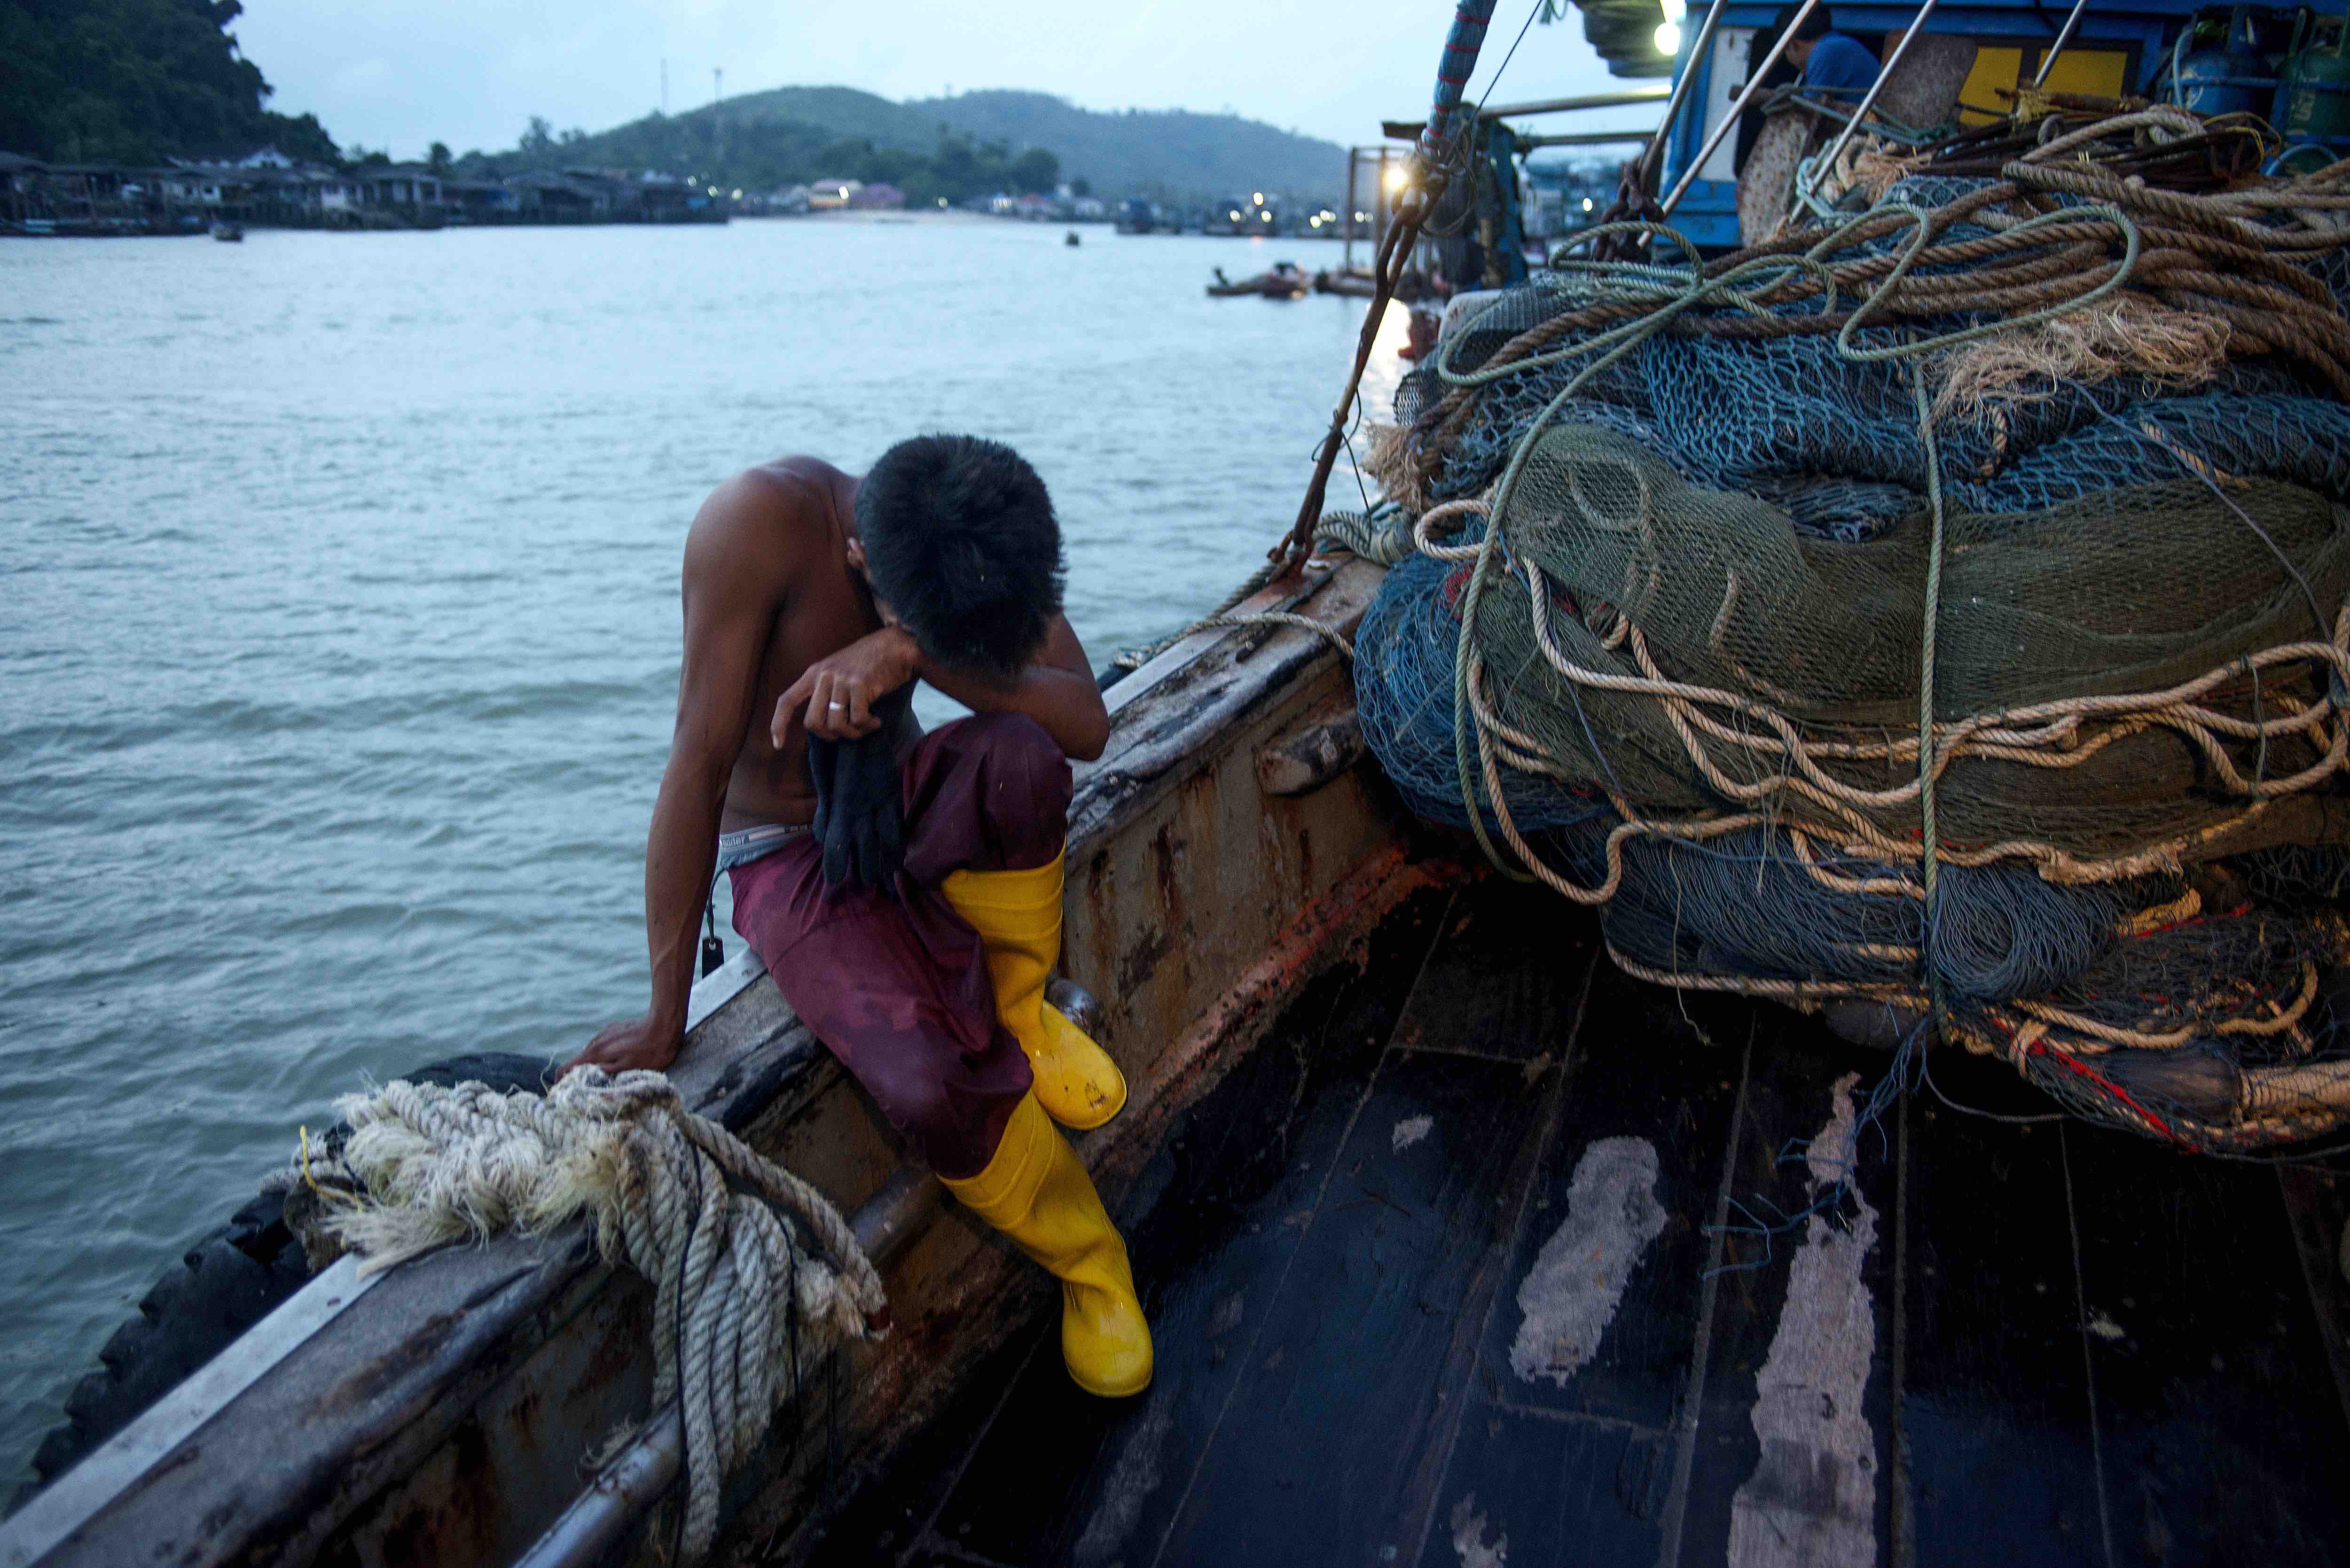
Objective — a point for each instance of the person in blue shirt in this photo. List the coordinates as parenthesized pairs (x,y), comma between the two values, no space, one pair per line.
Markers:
(1826,57)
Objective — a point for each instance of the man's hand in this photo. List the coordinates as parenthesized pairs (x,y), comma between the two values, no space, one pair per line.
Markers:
(639,1043)
(835,698)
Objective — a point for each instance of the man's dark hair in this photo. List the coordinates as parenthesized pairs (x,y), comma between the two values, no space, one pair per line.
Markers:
(1818,24)
(959,539)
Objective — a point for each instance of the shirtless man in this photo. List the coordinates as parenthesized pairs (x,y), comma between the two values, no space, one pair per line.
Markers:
(814,599)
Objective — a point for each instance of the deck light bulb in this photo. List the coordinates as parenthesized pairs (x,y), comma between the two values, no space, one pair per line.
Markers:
(1668,39)
(1396,176)
(1674,10)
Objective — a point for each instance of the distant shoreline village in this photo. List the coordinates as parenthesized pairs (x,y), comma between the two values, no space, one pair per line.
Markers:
(266,189)
(91,154)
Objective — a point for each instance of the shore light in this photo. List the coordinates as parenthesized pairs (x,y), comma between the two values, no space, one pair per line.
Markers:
(1669,38)
(1257,198)
(1586,204)
(1396,176)
(1236,214)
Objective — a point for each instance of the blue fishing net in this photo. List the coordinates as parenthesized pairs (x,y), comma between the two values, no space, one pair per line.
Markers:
(1758,508)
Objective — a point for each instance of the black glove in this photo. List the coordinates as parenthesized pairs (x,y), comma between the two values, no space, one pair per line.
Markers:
(857,823)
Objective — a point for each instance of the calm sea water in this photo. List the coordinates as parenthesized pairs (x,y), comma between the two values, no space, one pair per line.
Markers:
(338,634)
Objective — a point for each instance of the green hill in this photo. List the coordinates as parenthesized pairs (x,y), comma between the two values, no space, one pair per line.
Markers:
(1171,151)
(136,81)
(956,147)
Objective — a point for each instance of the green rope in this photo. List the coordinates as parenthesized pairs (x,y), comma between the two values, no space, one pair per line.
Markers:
(1926,233)
(1731,288)
(1926,769)
(1614,344)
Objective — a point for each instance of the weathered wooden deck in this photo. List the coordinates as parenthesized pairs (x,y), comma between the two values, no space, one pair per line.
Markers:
(1449,1272)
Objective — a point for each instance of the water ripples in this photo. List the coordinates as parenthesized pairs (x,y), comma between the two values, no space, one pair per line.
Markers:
(340,634)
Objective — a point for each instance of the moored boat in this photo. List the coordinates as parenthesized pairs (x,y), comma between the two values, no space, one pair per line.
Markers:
(1282,280)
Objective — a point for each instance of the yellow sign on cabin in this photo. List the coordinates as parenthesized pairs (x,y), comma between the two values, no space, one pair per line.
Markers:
(2098,71)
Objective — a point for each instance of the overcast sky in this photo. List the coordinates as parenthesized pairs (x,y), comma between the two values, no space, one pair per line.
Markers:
(472,72)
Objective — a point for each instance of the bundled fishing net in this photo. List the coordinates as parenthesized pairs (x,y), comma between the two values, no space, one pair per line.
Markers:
(2069,454)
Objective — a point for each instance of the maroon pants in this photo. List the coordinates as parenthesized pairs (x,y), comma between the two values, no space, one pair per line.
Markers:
(897,987)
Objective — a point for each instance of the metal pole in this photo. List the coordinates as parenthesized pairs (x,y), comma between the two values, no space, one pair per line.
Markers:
(2062,38)
(1354,157)
(1627,99)
(1651,154)
(1582,139)
(1852,126)
(647,1467)
(1730,120)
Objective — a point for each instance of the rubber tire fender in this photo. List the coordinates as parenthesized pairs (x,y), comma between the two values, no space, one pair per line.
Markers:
(233,1277)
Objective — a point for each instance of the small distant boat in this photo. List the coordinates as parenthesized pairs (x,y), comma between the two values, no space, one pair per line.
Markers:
(231,233)
(1354,281)
(1285,281)
(1073,239)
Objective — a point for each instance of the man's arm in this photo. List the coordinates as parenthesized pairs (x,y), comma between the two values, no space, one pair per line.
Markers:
(834,696)
(732,591)
(1058,691)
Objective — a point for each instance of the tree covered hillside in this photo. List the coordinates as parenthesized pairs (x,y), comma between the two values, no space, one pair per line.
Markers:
(136,81)
(1168,152)
(968,145)
(766,151)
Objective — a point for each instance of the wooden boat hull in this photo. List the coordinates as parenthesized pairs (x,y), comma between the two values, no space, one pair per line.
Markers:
(442,1412)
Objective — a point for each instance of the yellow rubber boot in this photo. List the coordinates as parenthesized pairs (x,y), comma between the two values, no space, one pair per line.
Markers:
(1017,915)
(1036,1191)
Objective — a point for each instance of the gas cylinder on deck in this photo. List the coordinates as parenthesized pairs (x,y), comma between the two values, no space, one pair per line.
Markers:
(2313,96)
(2214,80)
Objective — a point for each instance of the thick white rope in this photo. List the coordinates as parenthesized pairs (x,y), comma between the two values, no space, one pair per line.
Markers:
(745,1306)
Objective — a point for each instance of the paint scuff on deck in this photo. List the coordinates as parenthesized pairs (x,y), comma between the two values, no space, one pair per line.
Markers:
(1811,1499)
(1571,1293)
(1469,1541)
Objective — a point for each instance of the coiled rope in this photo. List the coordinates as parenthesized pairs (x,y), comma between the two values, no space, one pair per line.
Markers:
(2046,254)
(756,1276)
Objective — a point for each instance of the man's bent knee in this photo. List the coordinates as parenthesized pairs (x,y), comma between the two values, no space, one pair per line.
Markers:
(1029,783)
(987,793)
